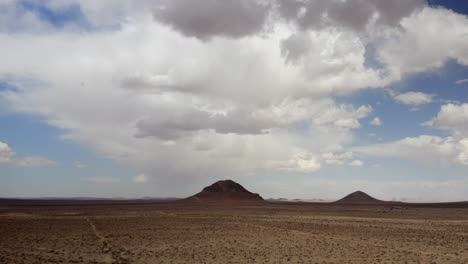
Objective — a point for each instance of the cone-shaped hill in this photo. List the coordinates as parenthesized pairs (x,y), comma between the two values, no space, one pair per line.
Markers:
(225,191)
(359,197)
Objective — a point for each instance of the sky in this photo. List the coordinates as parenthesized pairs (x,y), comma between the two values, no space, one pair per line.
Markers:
(290,98)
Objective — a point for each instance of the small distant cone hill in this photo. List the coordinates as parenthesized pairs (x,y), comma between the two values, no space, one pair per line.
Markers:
(359,197)
(225,191)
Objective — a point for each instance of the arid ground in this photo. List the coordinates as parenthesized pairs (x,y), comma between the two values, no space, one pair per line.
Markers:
(268,233)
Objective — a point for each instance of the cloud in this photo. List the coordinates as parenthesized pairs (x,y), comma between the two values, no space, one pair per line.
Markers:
(424,148)
(461,81)
(453,117)
(356,163)
(348,123)
(101,179)
(344,116)
(376,122)
(207,18)
(8,156)
(354,15)
(34,162)
(398,51)
(302,162)
(6,153)
(452,149)
(79,165)
(193,120)
(187,122)
(141,178)
(331,158)
(414,98)
(254,93)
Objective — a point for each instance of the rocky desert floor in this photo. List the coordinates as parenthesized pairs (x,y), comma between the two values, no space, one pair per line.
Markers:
(268,233)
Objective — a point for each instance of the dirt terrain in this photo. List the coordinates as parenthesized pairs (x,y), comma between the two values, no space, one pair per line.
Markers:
(262,233)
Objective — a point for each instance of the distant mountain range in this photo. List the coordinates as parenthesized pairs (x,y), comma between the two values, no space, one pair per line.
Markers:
(225,191)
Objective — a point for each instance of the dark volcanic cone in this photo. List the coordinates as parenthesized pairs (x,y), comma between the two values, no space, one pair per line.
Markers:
(225,191)
(359,198)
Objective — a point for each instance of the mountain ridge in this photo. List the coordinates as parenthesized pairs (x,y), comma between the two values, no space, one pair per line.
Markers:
(359,197)
(225,191)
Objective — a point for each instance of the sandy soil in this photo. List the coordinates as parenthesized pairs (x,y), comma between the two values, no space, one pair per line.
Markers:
(270,233)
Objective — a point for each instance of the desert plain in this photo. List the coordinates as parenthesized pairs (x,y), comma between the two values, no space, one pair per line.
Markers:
(232,233)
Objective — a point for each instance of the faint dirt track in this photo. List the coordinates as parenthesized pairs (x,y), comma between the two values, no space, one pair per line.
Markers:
(106,256)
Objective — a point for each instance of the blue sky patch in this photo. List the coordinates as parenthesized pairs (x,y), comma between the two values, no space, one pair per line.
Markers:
(58,17)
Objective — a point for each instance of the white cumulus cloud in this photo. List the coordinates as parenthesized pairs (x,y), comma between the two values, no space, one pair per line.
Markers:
(414,98)
(356,163)
(331,158)
(427,149)
(8,156)
(376,122)
(453,117)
